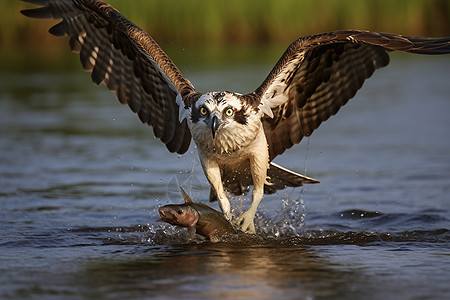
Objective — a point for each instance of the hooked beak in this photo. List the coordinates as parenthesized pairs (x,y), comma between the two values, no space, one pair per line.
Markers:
(215,123)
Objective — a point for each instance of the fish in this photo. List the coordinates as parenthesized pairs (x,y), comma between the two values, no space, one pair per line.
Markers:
(199,218)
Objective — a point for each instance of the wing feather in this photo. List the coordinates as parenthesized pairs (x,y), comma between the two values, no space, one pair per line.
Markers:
(126,59)
(318,74)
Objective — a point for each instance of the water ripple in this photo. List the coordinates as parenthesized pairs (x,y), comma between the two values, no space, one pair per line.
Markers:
(168,235)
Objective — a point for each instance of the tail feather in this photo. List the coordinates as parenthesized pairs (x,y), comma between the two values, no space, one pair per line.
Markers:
(278,178)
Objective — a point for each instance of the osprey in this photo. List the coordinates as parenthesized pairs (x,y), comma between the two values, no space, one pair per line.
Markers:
(237,135)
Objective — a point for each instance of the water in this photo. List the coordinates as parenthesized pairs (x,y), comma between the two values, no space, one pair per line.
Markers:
(81,181)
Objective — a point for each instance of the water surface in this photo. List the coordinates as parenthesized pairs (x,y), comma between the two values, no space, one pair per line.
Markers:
(81,181)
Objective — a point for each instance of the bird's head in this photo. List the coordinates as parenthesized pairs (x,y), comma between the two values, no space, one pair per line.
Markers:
(220,118)
(217,111)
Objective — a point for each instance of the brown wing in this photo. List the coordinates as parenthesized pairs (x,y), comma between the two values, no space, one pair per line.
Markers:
(126,59)
(318,74)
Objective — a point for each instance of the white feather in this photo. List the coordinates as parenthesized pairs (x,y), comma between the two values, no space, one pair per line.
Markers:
(265,108)
(278,92)
(182,112)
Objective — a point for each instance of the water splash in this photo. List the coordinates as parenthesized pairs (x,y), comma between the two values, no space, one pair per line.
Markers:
(190,183)
(289,221)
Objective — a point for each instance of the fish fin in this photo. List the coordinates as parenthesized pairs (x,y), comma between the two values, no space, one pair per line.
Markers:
(191,231)
(159,220)
(185,196)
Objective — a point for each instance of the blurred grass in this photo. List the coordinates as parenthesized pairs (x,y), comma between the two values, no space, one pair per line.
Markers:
(214,24)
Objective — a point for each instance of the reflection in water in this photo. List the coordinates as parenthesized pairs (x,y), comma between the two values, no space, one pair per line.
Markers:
(220,271)
(295,267)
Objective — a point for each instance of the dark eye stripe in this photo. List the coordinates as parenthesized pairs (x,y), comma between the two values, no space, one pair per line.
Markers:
(240,116)
(196,115)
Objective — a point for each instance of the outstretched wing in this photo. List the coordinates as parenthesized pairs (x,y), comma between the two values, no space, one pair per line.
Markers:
(318,74)
(126,59)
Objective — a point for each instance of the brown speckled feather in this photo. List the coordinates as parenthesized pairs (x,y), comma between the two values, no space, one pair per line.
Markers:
(127,60)
(318,74)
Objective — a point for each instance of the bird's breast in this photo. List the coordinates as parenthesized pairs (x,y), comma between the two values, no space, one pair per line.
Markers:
(233,141)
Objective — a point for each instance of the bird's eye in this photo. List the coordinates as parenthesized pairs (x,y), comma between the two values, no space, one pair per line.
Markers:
(229,112)
(203,111)
(180,211)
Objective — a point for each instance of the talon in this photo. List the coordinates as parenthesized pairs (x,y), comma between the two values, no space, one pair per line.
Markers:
(246,224)
(228,216)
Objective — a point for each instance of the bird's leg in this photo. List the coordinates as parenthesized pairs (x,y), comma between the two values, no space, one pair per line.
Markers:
(258,166)
(212,172)
(246,220)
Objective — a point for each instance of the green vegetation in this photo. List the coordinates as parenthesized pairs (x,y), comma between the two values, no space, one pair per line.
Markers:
(185,23)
